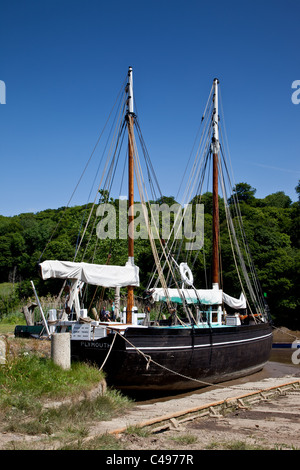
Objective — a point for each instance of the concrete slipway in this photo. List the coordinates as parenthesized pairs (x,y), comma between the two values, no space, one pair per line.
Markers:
(161,414)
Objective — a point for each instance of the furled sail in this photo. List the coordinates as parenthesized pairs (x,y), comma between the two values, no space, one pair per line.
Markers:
(191,296)
(205,296)
(95,274)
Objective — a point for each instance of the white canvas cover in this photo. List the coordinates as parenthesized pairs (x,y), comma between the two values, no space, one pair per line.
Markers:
(95,274)
(206,296)
(235,303)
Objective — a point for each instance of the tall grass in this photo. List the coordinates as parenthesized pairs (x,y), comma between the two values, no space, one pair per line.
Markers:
(28,381)
(9,299)
(28,378)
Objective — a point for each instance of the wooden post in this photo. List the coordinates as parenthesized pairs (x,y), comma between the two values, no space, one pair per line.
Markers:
(28,311)
(2,350)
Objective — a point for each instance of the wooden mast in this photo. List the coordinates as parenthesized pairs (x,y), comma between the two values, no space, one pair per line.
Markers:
(130,123)
(215,151)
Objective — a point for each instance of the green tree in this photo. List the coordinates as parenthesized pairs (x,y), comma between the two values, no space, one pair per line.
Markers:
(272,229)
(243,192)
(279,199)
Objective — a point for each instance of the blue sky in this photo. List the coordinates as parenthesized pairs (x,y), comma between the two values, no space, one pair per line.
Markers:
(63,63)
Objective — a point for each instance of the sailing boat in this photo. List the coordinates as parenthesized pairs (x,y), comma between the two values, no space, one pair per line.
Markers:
(172,353)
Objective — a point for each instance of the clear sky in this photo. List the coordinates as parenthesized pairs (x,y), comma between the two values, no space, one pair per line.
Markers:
(63,63)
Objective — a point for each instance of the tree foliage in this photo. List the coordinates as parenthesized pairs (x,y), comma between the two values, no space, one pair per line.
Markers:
(272,228)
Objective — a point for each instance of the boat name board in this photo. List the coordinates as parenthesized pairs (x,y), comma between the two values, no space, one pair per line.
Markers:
(94,345)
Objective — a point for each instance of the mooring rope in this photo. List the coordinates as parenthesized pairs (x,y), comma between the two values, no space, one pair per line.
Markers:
(286,333)
(111,346)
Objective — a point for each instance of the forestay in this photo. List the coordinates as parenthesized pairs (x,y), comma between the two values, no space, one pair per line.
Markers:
(95,274)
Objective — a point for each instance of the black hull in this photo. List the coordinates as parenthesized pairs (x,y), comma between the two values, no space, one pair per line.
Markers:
(184,358)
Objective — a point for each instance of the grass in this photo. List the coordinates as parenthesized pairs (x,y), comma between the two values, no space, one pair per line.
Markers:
(9,299)
(39,378)
(103,442)
(28,380)
(70,420)
(9,328)
(234,445)
(185,439)
(137,431)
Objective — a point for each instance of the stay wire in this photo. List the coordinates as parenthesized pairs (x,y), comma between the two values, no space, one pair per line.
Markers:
(84,170)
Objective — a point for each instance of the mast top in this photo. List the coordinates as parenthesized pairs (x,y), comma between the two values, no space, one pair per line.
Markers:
(215,119)
(130,92)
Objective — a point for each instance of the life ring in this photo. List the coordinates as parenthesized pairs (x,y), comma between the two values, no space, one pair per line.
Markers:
(186,274)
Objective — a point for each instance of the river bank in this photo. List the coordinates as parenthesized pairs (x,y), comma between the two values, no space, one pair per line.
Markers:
(271,423)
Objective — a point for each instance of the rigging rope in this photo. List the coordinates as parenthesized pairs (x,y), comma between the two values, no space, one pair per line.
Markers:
(204,149)
(116,136)
(194,176)
(84,170)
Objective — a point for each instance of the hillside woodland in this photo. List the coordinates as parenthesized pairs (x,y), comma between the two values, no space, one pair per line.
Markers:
(272,229)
